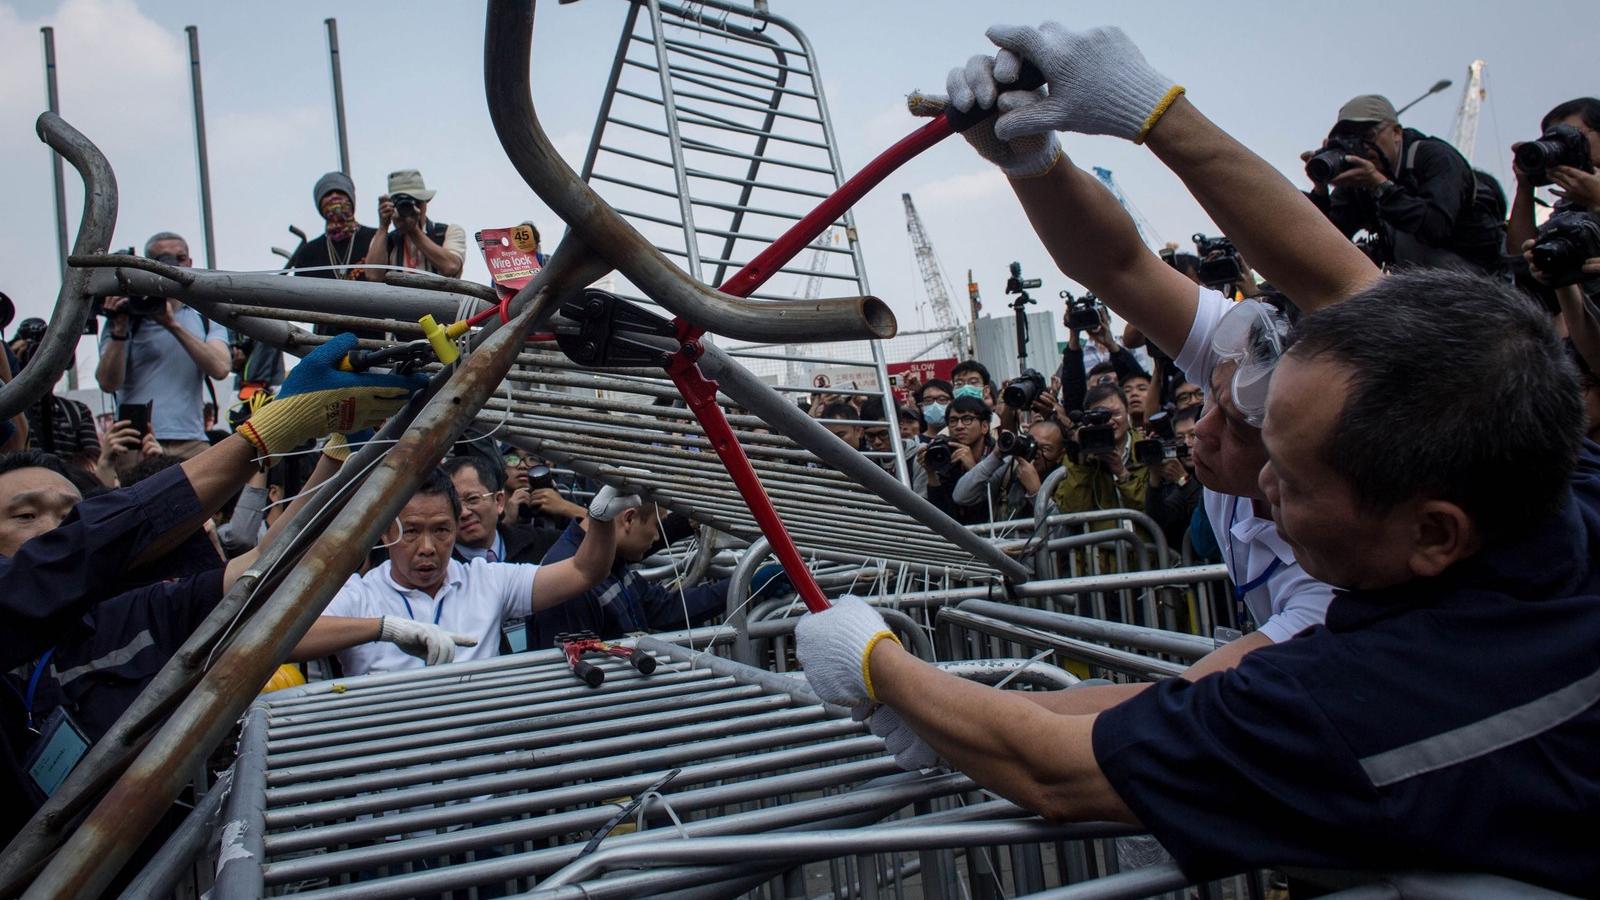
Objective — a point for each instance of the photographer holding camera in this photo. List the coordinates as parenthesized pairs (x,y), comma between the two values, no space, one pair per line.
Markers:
(1077,360)
(416,242)
(1579,315)
(1105,474)
(1416,193)
(58,425)
(1174,493)
(1013,472)
(1564,156)
(157,353)
(533,499)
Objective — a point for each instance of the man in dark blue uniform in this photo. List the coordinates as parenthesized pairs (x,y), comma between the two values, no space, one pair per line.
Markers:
(85,618)
(1425,457)
(625,602)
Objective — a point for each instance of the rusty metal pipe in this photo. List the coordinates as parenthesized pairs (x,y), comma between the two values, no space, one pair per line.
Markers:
(109,756)
(94,854)
(73,306)
(508,43)
(111,276)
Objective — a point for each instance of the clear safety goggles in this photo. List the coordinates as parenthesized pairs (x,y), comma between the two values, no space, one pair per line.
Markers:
(1252,335)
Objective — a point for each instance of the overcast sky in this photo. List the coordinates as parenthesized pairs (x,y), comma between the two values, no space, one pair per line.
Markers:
(1272,73)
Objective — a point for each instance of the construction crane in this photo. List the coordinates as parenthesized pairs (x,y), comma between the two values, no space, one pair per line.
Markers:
(795,370)
(1146,233)
(1464,134)
(944,315)
(819,262)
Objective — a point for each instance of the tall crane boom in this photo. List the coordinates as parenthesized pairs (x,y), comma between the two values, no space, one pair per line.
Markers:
(1146,233)
(1464,135)
(819,263)
(933,280)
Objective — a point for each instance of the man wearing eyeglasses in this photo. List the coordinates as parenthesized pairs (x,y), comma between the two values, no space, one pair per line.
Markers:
(163,358)
(480,534)
(531,497)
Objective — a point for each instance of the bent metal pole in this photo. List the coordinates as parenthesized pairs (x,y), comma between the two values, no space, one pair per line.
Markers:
(102,844)
(72,307)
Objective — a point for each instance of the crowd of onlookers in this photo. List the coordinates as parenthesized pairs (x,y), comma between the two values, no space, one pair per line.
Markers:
(131,531)
(1407,198)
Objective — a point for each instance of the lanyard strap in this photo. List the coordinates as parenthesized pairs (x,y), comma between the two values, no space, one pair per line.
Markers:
(33,682)
(1241,590)
(437,610)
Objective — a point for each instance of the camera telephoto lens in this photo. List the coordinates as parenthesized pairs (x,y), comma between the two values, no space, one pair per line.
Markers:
(1021,393)
(1560,145)
(1324,166)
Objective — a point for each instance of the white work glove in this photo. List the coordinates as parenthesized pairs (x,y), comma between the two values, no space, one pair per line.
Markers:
(1099,82)
(834,648)
(608,504)
(911,752)
(429,643)
(975,85)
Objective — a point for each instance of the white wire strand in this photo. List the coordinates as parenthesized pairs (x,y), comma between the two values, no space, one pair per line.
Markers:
(661,529)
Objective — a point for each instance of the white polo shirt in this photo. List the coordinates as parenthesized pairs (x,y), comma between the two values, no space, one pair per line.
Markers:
(475,598)
(1282,599)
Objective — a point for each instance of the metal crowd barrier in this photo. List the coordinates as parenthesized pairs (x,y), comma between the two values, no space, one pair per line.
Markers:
(502,772)
(209,683)
(497,772)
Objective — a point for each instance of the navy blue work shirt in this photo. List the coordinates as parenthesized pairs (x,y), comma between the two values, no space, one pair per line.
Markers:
(50,584)
(623,603)
(125,642)
(1448,723)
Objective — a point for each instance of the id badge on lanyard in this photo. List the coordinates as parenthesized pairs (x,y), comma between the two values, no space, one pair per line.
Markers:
(56,752)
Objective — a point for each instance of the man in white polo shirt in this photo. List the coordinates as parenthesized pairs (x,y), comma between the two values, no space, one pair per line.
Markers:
(1229,349)
(423,607)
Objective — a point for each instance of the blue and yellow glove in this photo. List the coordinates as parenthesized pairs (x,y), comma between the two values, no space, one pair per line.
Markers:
(339,445)
(317,399)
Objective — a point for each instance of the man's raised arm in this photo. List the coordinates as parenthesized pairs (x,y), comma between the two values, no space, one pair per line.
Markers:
(559,582)
(1284,236)
(1099,83)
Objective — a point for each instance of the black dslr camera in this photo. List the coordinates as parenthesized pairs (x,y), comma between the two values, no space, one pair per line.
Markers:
(1021,446)
(1083,313)
(140,306)
(1021,393)
(539,477)
(1162,444)
(1219,261)
(1560,145)
(1095,432)
(937,456)
(405,206)
(1330,162)
(1564,242)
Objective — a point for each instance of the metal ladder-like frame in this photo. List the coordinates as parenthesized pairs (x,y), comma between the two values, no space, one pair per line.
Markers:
(712,138)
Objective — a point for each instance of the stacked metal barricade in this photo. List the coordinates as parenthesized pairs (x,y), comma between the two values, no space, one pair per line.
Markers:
(719,774)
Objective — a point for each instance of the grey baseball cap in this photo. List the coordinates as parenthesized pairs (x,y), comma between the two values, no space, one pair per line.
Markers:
(1374,108)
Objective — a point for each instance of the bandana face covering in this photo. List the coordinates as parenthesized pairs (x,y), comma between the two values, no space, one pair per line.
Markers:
(340,215)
